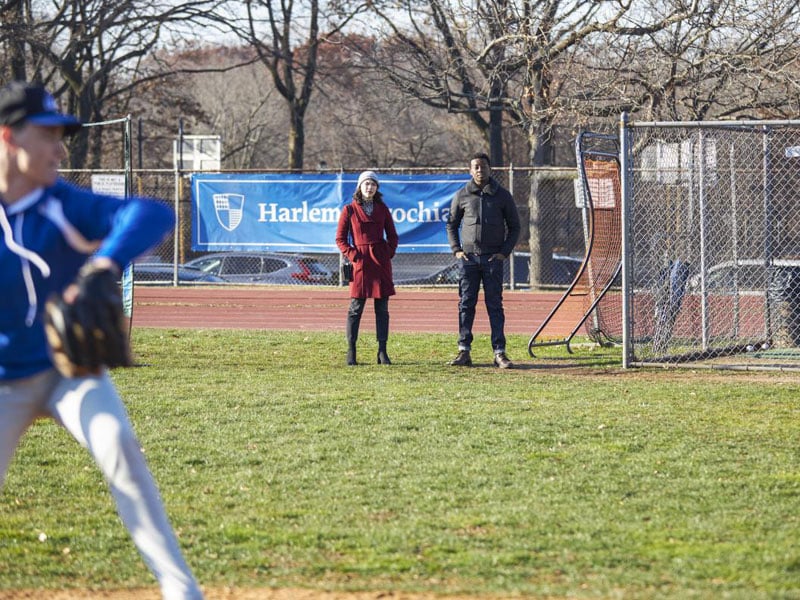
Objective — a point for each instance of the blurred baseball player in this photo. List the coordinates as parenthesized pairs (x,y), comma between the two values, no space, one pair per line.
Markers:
(62,247)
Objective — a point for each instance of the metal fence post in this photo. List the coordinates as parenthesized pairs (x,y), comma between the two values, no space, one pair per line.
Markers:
(624,154)
(176,235)
(511,273)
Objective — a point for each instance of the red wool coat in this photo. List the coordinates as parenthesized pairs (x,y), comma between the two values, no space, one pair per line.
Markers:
(371,252)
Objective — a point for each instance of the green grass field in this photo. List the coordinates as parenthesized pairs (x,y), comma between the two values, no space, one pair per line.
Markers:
(282,467)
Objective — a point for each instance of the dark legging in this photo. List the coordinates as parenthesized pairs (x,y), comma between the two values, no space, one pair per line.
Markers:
(381,320)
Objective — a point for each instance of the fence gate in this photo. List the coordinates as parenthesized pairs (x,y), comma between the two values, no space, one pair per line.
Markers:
(711,243)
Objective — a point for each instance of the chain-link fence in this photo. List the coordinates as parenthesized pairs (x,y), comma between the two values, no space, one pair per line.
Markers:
(548,254)
(712,251)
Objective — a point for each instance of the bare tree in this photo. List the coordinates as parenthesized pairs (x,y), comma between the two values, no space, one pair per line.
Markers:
(504,57)
(287,36)
(731,59)
(358,118)
(89,53)
(355,118)
(239,102)
(509,69)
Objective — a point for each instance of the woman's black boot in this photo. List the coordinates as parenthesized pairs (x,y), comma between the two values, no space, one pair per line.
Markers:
(351,328)
(382,329)
(383,358)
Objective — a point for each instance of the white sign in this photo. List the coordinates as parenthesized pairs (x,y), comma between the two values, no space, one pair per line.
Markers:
(200,153)
(678,162)
(112,184)
(109,184)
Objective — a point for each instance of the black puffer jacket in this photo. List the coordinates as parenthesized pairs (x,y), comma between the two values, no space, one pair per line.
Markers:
(487,218)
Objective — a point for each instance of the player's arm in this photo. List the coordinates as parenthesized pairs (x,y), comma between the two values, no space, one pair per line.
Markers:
(137,226)
(121,229)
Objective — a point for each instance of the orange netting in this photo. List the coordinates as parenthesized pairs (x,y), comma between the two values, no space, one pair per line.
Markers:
(596,286)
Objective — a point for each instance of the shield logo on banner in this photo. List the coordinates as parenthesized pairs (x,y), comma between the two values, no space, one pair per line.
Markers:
(229,209)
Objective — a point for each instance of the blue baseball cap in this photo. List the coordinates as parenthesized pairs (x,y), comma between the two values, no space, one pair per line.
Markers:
(22,102)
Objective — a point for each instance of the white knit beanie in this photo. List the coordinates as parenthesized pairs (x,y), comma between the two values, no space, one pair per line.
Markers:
(368,175)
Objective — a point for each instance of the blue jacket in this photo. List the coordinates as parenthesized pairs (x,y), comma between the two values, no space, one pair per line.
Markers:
(45,238)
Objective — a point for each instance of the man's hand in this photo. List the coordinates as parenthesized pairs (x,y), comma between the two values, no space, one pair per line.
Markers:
(498,256)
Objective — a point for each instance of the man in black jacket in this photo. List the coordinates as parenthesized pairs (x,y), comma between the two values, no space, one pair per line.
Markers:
(482,229)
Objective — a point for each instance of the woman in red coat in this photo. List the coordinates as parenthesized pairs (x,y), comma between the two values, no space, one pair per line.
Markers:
(366,235)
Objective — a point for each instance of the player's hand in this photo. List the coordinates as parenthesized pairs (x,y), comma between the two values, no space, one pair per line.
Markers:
(461,255)
(498,256)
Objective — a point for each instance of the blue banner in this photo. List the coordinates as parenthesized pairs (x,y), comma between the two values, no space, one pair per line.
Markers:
(299,213)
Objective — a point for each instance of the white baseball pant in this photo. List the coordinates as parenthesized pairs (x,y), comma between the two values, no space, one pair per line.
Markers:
(92,411)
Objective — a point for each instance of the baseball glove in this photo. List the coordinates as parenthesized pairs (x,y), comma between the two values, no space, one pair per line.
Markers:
(88,332)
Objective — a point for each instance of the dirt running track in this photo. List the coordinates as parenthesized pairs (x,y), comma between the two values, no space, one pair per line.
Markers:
(321,309)
(311,309)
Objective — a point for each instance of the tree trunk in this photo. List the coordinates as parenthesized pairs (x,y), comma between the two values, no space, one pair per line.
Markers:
(496,122)
(539,154)
(12,15)
(297,138)
(496,136)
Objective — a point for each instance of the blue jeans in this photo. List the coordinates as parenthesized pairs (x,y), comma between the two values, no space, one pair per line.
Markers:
(475,270)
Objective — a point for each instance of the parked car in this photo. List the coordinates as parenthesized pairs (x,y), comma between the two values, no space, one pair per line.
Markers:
(748,275)
(561,272)
(164,272)
(441,276)
(264,267)
(564,269)
(148,258)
